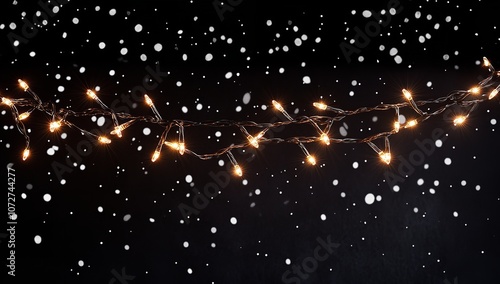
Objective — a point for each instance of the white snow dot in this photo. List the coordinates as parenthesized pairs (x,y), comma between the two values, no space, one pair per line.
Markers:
(246,98)
(186,244)
(158,47)
(38,239)
(127,217)
(229,75)
(102,45)
(395,188)
(80,263)
(455,214)
(146,131)
(138,28)
(209,57)
(189,178)
(439,143)
(369,198)
(306,80)
(323,217)
(447,161)
(213,230)
(234,220)
(112,12)
(355,165)
(47,197)
(100,209)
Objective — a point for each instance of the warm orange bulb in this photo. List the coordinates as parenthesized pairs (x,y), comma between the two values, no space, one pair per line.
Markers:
(7,101)
(459,120)
(493,94)
(26,154)
(148,100)
(320,105)
(24,115)
(238,171)
(54,125)
(156,155)
(104,140)
(23,85)
(311,160)
(324,137)
(385,157)
(277,105)
(91,94)
(475,90)
(407,94)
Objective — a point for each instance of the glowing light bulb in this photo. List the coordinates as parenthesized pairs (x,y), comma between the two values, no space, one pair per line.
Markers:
(385,157)
(148,100)
(493,94)
(486,62)
(324,137)
(253,141)
(278,106)
(407,94)
(320,105)
(311,160)
(7,101)
(24,115)
(26,154)
(155,156)
(104,140)
(23,85)
(411,123)
(91,94)
(397,126)
(54,125)
(173,145)
(459,120)
(117,131)
(182,148)
(238,171)
(475,90)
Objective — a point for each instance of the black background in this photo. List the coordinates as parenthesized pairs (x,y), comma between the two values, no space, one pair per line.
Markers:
(388,241)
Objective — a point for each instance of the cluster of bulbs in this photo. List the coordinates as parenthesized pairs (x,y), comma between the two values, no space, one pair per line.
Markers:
(469,99)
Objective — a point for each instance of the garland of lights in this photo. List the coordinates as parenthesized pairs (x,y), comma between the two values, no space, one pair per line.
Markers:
(468,99)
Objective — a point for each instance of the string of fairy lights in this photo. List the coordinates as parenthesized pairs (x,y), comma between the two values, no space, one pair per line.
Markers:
(468,100)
